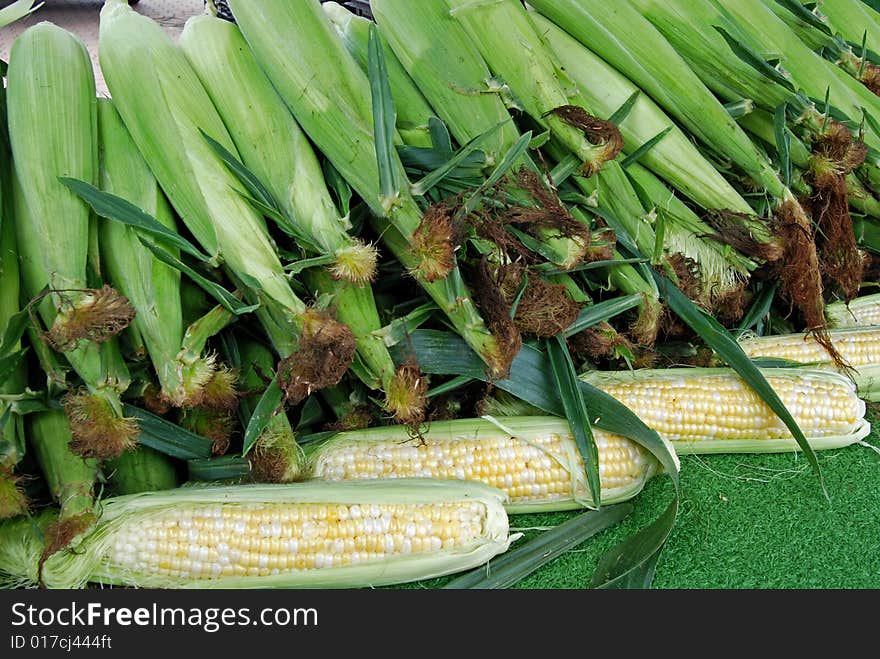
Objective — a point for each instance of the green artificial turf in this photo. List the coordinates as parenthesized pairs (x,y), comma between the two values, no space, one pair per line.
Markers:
(747,521)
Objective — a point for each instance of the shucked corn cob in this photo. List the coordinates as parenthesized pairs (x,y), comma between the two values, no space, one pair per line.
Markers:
(859,347)
(302,535)
(715,411)
(537,463)
(862,312)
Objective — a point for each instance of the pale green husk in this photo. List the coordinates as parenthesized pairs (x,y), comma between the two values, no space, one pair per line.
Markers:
(856,313)
(73,569)
(164,106)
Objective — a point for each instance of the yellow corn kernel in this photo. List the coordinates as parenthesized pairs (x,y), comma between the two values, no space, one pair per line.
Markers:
(539,466)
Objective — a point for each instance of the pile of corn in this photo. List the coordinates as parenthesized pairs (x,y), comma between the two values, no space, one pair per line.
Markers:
(217,285)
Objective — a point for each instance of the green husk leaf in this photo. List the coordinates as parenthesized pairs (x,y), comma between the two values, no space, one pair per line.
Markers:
(223,468)
(18,10)
(576,412)
(168,438)
(636,155)
(384,117)
(754,60)
(631,564)
(602,311)
(621,113)
(266,408)
(759,309)
(226,299)
(783,142)
(16,326)
(117,209)
(514,565)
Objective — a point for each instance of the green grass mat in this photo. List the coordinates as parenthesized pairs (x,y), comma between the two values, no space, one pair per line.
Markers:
(747,521)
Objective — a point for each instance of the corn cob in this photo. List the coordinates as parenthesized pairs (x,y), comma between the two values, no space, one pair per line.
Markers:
(862,312)
(537,463)
(451,72)
(12,499)
(279,154)
(853,21)
(858,347)
(141,470)
(51,85)
(564,251)
(412,109)
(318,535)
(714,411)
(152,286)
(624,38)
(167,123)
(330,96)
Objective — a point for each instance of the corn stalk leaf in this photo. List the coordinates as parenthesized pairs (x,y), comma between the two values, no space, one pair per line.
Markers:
(514,565)
(267,407)
(512,157)
(603,311)
(576,412)
(168,438)
(631,564)
(717,338)
(226,299)
(117,209)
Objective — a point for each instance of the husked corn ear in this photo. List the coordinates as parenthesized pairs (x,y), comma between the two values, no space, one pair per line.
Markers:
(307,534)
(539,467)
(859,347)
(862,312)
(714,410)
